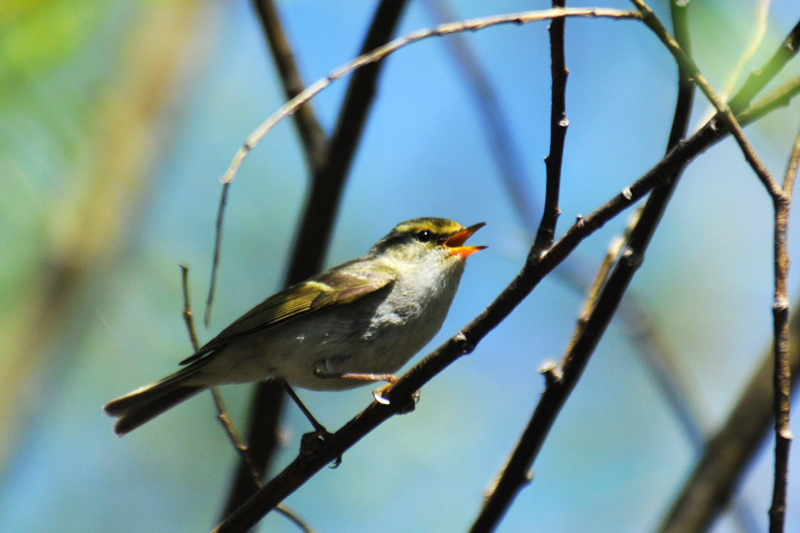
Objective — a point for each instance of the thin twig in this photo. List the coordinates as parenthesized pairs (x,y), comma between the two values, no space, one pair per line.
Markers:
(609,260)
(262,441)
(791,170)
(212,284)
(535,269)
(233,436)
(782,371)
(188,318)
(762,20)
(686,63)
(493,509)
(401,42)
(292,516)
(222,414)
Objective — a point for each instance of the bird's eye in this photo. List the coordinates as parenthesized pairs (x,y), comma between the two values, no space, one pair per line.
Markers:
(424,236)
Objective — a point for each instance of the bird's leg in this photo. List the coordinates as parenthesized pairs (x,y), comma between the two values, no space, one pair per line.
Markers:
(390,378)
(319,428)
(310,442)
(321,372)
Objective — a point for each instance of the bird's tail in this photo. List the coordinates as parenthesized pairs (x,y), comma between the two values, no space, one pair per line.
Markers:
(142,405)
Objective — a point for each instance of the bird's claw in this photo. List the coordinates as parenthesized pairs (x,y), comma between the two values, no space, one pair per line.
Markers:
(403,408)
(378,394)
(314,442)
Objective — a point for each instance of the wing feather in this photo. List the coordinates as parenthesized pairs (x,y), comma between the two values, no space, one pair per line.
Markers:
(340,285)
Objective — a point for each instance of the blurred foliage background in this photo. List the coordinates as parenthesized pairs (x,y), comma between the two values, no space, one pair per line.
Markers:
(116,120)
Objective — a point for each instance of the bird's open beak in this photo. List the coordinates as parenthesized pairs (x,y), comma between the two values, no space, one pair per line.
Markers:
(455,242)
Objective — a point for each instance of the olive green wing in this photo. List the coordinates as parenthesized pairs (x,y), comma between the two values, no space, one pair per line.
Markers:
(341,285)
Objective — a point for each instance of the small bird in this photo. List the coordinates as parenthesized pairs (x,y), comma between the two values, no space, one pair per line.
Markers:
(358,322)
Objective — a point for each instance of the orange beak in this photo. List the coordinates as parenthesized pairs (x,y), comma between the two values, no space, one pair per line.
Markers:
(455,242)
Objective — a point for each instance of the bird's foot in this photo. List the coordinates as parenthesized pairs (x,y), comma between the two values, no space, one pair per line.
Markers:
(322,372)
(314,442)
(403,407)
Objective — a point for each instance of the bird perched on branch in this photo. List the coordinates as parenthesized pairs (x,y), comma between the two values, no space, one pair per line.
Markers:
(355,323)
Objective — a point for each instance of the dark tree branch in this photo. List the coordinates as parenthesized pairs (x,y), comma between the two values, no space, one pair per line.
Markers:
(315,230)
(516,473)
(782,372)
(601,305)
(558,132)
(222,414)
(400,393)
(639,326)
